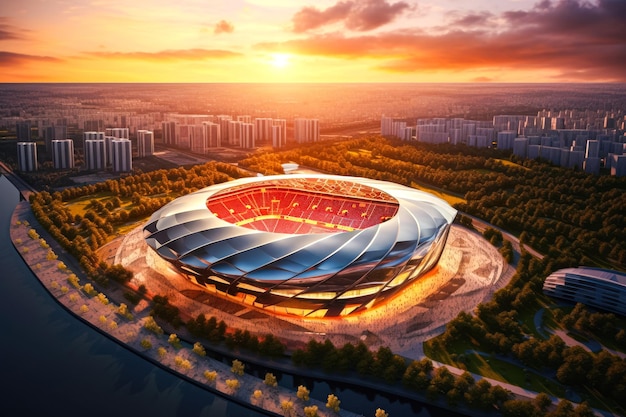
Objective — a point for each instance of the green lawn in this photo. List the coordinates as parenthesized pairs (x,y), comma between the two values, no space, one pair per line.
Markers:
(449,198)
(462,355)
(511,164)
(79,205)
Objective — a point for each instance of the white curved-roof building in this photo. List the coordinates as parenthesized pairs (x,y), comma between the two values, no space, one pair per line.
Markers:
(317,245)
(600,288)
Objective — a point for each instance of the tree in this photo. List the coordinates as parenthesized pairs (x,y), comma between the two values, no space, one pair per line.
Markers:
(270,380)
(381,413)
(174,341)
(199,349)
(286,406)
(303,393)
(443,379)
(518,408)
(232,384)
(211,376)
(577,365)
(563,409)
(237,367)
(123,311)
(583,410)
(541,402)
(310,411)
(333,403)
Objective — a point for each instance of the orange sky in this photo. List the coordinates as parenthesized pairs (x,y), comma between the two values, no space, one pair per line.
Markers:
(305,41)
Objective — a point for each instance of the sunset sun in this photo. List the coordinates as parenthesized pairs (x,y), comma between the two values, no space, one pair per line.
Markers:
(279,60)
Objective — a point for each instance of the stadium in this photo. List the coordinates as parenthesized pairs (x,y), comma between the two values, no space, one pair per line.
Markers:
(300,244)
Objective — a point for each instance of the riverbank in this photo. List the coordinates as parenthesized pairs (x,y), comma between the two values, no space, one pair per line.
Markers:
(95,311)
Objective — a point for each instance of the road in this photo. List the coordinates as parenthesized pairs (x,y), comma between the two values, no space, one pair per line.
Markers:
(480,225)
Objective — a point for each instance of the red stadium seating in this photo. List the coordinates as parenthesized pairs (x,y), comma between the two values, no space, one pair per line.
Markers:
(283,210)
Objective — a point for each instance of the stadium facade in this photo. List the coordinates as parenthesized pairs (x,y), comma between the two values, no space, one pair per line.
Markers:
(307,245)
(601,288)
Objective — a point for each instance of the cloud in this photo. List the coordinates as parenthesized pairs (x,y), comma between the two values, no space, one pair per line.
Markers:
(472,20)
(356,15)
(574,18)
(570,38)
(168,55)
(311,18)
(371,14)
(223,27)
(12,58)
(9,32)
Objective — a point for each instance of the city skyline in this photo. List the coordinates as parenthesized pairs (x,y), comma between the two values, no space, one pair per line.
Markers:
(331,41)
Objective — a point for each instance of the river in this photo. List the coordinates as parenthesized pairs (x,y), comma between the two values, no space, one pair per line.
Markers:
(54,365)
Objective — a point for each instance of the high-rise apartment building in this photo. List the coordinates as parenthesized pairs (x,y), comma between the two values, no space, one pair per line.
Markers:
(91,135)
(53,132)
(279,133)
(234,132)
(386,126)
(63,154)
(23,131)
(263,128)
(247,135)
(170,133)
(198,139)
(145,143)
(184,136)
(122,155)
(27,156)
(223,120)
(117,132)
(593,149)
(213,134)
(108,149)
(306,130)
(95,155)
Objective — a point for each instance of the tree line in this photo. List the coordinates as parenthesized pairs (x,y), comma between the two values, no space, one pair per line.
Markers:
(82,235)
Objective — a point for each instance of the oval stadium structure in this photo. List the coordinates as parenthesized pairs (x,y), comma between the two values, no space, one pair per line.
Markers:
(307,245)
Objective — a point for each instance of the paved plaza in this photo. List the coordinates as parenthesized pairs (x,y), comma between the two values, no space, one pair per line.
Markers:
(469,271)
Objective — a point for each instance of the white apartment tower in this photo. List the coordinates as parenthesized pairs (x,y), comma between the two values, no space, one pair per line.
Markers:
(184,136)
(63,154)
(122,155)
(198,139)
(95,154)
(117,132)
(279,133)
(223,120)
(306,130)
(386,126)
(213,134)
(263,128)
(145,143)
(247,135)
(92,135)
(108,149)
(27,156)
(170,133)
(234,132)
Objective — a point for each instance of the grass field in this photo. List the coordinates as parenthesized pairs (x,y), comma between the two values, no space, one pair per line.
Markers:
(449,198)
(462,355)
